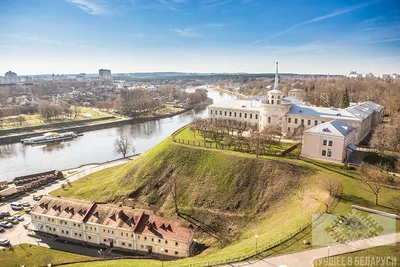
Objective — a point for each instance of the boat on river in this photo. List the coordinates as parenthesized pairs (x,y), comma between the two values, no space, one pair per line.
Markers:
(49,138)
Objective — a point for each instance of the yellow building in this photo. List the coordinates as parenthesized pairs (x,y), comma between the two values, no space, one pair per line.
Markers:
(111,225)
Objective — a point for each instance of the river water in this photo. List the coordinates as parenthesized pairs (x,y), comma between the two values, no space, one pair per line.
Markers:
(95,146)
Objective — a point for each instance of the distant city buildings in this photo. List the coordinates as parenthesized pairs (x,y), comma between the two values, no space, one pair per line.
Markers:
(354,74)
(80,76)
(11,77)
(105,74)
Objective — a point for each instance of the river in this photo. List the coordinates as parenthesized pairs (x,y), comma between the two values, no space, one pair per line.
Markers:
(95,146)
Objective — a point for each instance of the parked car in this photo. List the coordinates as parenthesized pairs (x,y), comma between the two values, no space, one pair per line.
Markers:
(4,214)
(27,211)
(13,220)
(37,198)
(2,230)
(4,242)
(16,206)
(20,218)
(6,224)
(26,204)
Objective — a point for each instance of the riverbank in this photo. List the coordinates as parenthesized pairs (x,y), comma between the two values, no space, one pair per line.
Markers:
(97,126)
(230,92)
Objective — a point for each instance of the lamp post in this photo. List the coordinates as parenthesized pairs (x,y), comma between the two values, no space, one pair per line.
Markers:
(329,247)
(256,236)
(162,253)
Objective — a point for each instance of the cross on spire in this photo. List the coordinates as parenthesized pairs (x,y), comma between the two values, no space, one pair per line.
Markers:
(276,85)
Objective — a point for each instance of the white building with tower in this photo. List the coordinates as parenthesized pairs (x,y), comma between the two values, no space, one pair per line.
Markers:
(293,115)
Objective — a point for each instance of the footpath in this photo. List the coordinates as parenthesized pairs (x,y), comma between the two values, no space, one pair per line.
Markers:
(306,258)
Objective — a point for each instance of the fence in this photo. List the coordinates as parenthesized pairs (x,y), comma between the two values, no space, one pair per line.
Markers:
(208,144)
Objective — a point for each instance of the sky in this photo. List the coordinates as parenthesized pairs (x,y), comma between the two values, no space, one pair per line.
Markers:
(304,36)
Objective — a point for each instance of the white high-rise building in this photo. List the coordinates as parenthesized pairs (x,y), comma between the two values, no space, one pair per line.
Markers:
(10,77)
(105,74)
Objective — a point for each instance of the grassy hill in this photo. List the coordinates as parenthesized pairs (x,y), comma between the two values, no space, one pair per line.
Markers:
(235,195)
(213,186)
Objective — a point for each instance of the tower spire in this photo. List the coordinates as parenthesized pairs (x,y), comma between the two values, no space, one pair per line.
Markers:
(276,85)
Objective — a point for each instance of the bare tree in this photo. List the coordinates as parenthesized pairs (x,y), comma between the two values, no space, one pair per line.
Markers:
(123,145)
(331,185)
(373,179)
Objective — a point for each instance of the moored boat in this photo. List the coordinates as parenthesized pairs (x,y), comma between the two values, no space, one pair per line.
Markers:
(49,138)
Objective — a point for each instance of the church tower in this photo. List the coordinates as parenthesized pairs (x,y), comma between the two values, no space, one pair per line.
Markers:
(275,95)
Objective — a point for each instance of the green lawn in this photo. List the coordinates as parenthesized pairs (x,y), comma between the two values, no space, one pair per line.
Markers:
(31,255)
(36,119)
(392,253)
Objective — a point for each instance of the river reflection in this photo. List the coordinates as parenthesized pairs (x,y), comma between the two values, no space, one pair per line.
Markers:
(93,147)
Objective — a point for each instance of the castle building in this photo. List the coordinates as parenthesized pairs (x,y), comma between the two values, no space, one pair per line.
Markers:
(293,115)
(109,225)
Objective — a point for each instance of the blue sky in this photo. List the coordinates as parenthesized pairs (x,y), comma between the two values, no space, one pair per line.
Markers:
(305,36)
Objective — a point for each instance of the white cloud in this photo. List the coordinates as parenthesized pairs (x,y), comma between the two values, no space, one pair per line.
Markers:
(188,32)
(92,7)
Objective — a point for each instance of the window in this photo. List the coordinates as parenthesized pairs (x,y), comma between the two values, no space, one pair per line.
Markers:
(324,142)
(309,122)
(126,234)
(279,96)
(251,116)
(141,246)
(278,102)
(62,231)
(159,240)
(288,129)
(80,235)
(112,232)
(145,238)
(235,114)
(130,245)
(52,220)
(176,243)
(272,101)
(295,121)
(131,235)
(272,96)
(211,111)
(315,122)
(66,232)
(256,116)
(240,114)
(329,153)
(123,243)
(269,119)
(75,234)
(122,234)
(230,113)
(245,115)
(104,230)
(89,237)
(105,240)
(166,251)
(166,242)
(220,112)
(138,237)
(330,142)
(225,113)
(302,121)
(152,240)
(289,120)
(176,252)
(74,224)
(324,153)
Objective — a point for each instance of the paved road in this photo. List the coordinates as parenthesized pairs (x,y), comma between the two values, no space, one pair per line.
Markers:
(77,173)
(306,258)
